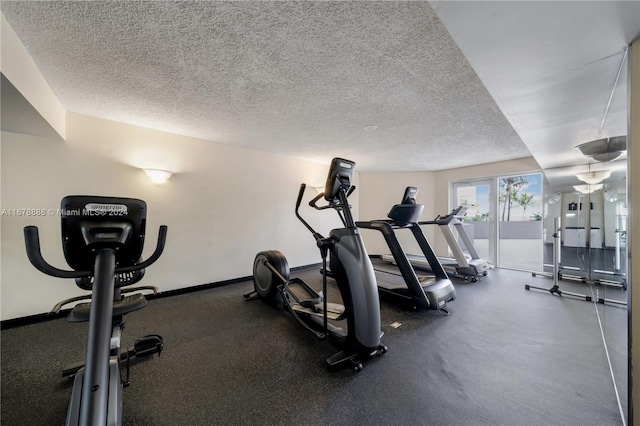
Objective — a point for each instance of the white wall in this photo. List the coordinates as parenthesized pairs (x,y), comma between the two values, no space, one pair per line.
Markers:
(223,205)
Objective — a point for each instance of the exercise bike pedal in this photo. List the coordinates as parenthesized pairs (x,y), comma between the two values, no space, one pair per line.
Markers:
(144,346)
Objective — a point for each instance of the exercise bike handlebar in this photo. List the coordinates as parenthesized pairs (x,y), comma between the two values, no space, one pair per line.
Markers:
(32,243)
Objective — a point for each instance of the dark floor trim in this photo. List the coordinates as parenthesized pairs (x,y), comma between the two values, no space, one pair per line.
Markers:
(195,288)
(34,319)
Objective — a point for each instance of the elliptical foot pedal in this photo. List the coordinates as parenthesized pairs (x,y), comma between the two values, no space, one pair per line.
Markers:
(302,293)
(342,358)
(250,295)
(72,369)
(148,345)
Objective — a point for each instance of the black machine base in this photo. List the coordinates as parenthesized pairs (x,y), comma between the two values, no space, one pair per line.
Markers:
(344,358)
(556,290)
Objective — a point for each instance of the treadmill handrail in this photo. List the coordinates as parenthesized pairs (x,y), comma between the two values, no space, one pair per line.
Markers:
(457,213)
(376,223)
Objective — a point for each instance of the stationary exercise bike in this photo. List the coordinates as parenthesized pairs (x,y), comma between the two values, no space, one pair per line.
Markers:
(358,339)
(102,240)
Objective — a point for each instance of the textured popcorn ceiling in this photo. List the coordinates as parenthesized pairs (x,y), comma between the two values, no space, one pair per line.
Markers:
(298,78)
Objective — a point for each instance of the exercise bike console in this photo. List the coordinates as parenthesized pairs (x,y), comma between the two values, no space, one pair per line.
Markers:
(103,240)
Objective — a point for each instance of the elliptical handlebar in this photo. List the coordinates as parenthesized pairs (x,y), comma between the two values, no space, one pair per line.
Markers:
(32,243)
(339,205)
(313,202)
(316,235)
(351,189)
(337,189)
(333,204)
(303,187)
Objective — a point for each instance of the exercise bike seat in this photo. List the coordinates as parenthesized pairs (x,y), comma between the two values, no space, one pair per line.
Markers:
(81,312)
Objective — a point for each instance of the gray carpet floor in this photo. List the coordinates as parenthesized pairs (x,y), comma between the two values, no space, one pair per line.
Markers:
(505,356)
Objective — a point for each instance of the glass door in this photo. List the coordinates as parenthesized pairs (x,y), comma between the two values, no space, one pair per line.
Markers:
(520,222)
(504,219)
(478,196)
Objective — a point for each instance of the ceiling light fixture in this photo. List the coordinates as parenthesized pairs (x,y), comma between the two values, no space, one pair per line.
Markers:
(593,178)
(606,149)
(603,150)
(370,128)
(158,176)
(587,189)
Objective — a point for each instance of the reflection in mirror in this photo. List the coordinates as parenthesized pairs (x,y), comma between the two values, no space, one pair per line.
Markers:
(611,269)
(592,260)
(592,218)
(612,261)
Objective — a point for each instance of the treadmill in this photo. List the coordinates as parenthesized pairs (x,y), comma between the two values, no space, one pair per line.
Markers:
(469,268)
(431,291)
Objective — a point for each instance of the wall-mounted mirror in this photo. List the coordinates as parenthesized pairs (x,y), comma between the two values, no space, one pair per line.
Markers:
(592,260)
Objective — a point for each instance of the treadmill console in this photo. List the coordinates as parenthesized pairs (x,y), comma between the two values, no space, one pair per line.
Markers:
(409,196)
(407,212)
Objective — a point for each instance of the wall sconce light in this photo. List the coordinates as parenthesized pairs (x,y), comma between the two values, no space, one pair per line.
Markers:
(587,189)
(158,176)
(593,178)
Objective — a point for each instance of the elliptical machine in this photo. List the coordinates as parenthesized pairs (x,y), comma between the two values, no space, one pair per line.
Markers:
(102,240)
(352,270)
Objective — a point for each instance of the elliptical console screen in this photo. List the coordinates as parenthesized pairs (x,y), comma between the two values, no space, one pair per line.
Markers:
(340,174)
